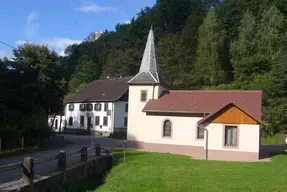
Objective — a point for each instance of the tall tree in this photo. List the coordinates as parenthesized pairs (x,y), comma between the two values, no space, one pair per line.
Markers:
(275,109)
(122,63)
(243,49)
(229,14)
(275,46)
(41,83)
(258,45)
(173,14)
(189,33)
(172,59)
(207,68)
(269,36)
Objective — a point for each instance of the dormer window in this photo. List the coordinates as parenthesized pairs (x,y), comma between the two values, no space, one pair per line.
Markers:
(143,95)
(82,107)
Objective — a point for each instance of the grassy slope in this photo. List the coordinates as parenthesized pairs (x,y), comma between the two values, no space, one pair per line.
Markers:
(163,172)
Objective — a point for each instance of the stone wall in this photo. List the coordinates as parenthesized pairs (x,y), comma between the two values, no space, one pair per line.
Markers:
(94,165)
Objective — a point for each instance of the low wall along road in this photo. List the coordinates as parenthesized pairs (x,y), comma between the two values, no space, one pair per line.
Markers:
(93,160)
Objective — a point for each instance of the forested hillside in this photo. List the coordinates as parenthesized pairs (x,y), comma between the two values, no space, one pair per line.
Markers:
(201,44)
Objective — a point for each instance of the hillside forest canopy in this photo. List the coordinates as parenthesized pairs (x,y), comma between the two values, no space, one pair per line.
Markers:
(201,44)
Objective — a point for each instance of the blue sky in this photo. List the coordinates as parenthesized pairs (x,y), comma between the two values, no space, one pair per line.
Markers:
(58,23)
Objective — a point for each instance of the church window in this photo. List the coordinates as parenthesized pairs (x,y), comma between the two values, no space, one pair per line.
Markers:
(143,95)
(167,128)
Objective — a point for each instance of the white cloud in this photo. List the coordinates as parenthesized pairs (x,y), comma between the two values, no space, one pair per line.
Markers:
(56,43)
(62,53)
(126,21)
(4,53)
(126,18)
(32,16)
(32,25)
(93,7)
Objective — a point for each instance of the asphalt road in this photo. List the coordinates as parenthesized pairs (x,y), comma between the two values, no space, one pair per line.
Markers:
(50,166)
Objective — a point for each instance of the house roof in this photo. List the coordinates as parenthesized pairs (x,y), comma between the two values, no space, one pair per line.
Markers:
(209,116)
(207,102)
(101,90)
(148,73)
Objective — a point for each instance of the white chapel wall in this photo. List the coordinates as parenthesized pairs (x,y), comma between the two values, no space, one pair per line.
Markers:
(138,122)
(248,137)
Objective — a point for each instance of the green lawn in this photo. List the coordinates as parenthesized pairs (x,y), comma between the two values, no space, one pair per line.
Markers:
(156,172)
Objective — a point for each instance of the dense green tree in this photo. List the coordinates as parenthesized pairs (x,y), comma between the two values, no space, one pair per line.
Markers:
(172,59)
(41,81)
(173,14)
(269,36)
(32,87)
(122,63)
(207,67)
(258,44)
(242,50)
(72,53)
(228,14)
(276,93)
(189,33)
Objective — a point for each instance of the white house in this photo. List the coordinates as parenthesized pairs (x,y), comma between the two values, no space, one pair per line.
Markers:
(216,125)
(101,106)
(59,124)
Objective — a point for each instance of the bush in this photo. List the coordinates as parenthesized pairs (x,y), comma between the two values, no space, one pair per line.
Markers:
(10,137)
(35,126)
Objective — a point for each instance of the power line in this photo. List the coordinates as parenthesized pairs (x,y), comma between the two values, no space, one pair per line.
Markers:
(7,44)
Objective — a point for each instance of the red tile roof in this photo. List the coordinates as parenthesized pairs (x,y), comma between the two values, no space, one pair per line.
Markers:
(207,102)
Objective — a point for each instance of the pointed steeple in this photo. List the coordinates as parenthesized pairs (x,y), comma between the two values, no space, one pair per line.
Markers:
(148,73)
(149,60)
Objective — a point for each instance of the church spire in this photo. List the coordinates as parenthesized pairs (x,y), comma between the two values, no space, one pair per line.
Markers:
(148,73)
(149,60)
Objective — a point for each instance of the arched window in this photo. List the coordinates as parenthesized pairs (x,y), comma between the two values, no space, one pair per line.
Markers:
(167,128)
